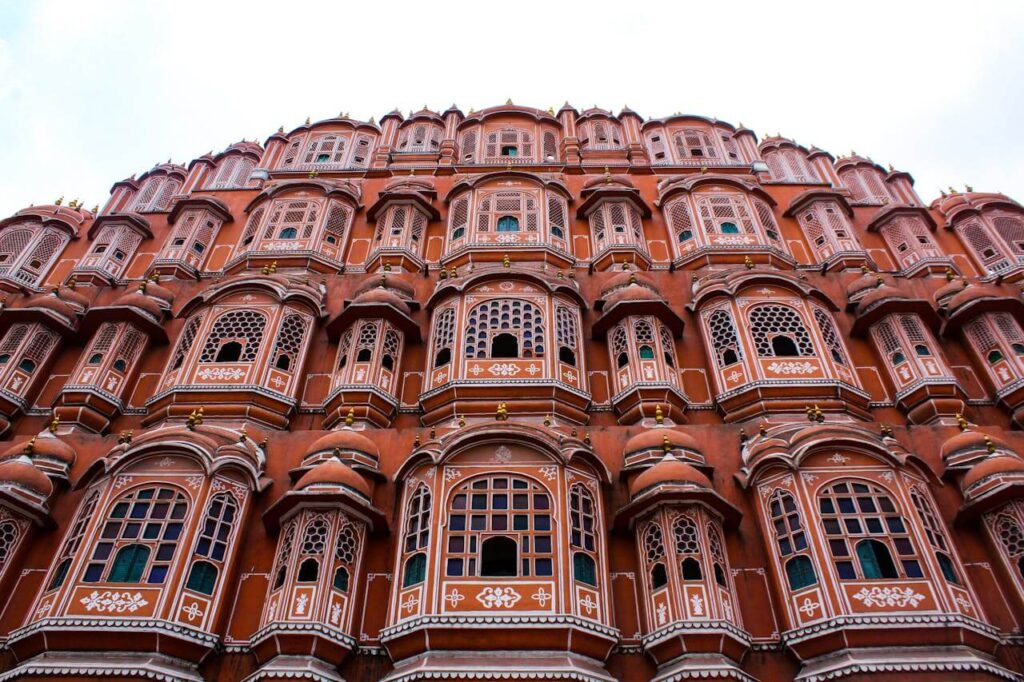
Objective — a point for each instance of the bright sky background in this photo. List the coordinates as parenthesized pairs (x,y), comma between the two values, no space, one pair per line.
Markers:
(91,92)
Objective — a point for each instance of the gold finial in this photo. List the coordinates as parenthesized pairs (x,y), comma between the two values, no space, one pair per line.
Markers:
(666,444)
(968,188)
(59,200)
(433,433)
(607,175)
(879,281)
(864,269)
(273,267)
(195,419)
(505,261)
(747,263)
(814,414)
(743,435)
(501,414)
(551,111)
(243,434)
(990,447)
(280,129)
(891,169)
(307,120)
(885,430)
(575,433)
(950,274)
(336,453)
(30,446)
(508,102)
(72,283)
(350,418)
(462,419)
(762,428)
(586,437)
(952,191)
(560,275)
(703,170)
(125,438)
(312,174)
(54,424)
(142,286)
(547,420)
(416,441)
(452,272)
(155,278)
(632,278)
(508,165)
(443,274)
(962,422)
(625,266)
(265,270)
(659,415)
(96,209)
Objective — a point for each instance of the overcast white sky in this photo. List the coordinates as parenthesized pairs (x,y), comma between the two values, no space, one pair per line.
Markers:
(91,92)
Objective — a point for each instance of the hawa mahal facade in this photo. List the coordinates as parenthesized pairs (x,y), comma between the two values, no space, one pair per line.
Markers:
(513,395)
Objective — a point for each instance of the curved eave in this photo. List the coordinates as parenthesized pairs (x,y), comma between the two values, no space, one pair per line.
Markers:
(387,198)
(676,493)
(867,317)
(967,312)
(734,282)
(361,311)
(283,292)
(713,122)
(134,220)
(887,213)
(451,287)
(349,501)
(978,206)
(66,219)
(974,507)
(325,188)
(44,316)
(95,317)
(473,182)
(804,198)
(598,195)
(537,115)
(685,184)
(337,123)
(215,206)
(36,513)
(621,309)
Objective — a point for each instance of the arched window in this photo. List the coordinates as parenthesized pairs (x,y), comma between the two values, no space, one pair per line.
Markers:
(688,549)
(514,509)
(346,551)
(505,346)
(791,539)
(859,518)
(212,543)
(72,542)
(508,224)
(723,338)
(240,329)
(139,537)
(506,317)
(289,341)
(566,328)
(458,218)
(936,534)
(680,219)
(832,340)
(583,534)
(417,536)
(185,341)
(284,554)
(779,331)
(1007,531)
(311,551)
(498,557)
(719,564)
(444,337)
(654,553)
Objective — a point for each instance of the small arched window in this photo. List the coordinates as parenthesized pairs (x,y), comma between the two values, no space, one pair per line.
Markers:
(800,573)
(443,357)
(415,570)
(654,553)
(508,224)
(875,560)
(779,331)
(498,557)
(646,353)
(567,356)
(584,569)
(784,347)
(791,538)
(309,571)
(505,346)
(229,352)
(202,577)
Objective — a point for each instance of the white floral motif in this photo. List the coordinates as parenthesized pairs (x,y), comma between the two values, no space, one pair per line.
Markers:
(588,604)
(503,369)
(887,476)
(455,597)
(503,455)
(549,472)
(194,482)
(335,613)
(810,478)
(662,613)
(122,481)
(734,376)
(43,609)
(451,473)
(838,459)
(232,374)
(113,602)
(166,462)
(507,286)
(192,611)
(793,367)
(965,605)
(808,607)
(697,604)
(301,603)
(542,597)
(410,603)
(498,597)
(889,596)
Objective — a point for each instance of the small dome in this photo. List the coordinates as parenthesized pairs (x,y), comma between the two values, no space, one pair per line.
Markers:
(141,301)
(627,279)
(345,440)
(867,281)
(969,294)
(53,302)
(950,288)
(972,441)
(332,473)
(384,296)
(879,294)
(992,466)
(654,439)
(21,472)
(668,470)
(73,297)
(45,446)
(159,291)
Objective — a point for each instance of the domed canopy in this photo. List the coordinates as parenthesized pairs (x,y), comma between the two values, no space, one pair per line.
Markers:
(331,474)
(968,446)
(45,446)
(997,465)
(342,441)
(20,472)
(627,293)
(137,299)
(658,439)
(863,284)
(383,296)
(975,299)
(668,471)
(54,303)
(951,288)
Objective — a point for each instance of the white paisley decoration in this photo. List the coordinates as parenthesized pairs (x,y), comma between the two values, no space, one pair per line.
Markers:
(498,597)
(113,602)
(503,369)
(232,374)
(793,367)
(889,596)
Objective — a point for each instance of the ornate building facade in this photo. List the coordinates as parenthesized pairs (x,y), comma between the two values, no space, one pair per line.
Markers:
(513,394)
